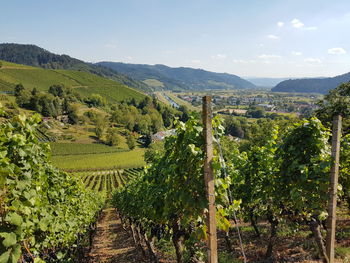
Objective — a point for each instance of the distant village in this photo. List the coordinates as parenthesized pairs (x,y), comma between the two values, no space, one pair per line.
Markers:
(271,103)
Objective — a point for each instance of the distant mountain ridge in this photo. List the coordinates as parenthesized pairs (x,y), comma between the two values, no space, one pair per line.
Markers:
(161,76)
(265,82)
(32,55)
(311,85)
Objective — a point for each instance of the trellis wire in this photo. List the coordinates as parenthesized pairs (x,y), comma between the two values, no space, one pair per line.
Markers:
(223,163)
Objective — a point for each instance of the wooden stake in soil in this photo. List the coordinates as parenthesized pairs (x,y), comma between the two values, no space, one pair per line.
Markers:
(332,205)
(209,180)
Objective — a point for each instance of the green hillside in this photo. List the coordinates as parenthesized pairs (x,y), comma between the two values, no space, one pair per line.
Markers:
(85,83)
(35,56)
(183,78)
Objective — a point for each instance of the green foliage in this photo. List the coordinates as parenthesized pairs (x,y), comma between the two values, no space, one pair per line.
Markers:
(95,100)
(41,208)
(344,170)
(100,128)
(131,141)
(305,168)
(256,112)
(154,151)
(336,102)
(173,187)
(113,138)
(254,173)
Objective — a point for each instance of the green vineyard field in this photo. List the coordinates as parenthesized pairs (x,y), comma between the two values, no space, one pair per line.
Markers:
(107,180)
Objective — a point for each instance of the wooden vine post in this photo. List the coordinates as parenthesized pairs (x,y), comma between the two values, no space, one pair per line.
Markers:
(209,180)
(332,205)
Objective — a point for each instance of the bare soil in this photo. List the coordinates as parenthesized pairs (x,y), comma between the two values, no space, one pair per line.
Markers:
(111,242)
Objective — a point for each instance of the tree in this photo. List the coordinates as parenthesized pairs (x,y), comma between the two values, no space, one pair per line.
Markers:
(100,128)
(72,114)
(96,100)
(57,90)
(337,101)
(185,113)
(131,141)
(18,89)
(233,127)
(23,97)
(256,112)
(112,137)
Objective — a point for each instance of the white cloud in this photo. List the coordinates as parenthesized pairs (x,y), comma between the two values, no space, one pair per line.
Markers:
(313,60)
(336,51)
(219,56)
(297,23)
(195,61)
(129,58)
(296,53)
(273,37)
(269,56)
(280,24)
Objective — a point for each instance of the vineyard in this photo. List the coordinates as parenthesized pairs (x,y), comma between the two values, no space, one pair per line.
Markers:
(265,192)
(107,180)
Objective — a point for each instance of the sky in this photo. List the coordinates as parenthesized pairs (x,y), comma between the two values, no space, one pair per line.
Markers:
(249,38)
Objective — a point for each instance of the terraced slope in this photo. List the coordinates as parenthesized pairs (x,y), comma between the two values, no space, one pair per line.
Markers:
(85,83)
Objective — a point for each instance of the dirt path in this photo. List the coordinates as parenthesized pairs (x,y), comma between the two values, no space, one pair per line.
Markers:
(111,243)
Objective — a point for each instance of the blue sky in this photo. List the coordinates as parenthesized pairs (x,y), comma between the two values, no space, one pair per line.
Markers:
(264,38)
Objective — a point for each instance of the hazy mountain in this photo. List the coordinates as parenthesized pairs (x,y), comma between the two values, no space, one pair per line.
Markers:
(164,77)
(265,82)
(311,85)
(32,55)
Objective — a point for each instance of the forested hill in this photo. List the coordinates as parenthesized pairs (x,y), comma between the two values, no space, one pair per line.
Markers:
(32,55)
(312,85)
(161,76)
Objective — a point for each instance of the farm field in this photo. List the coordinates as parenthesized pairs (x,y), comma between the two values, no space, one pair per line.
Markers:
(126,159)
